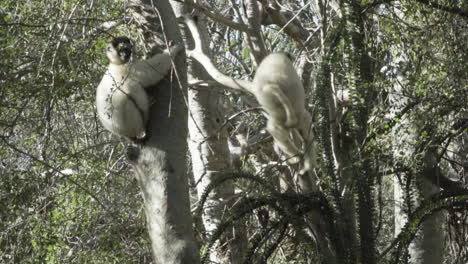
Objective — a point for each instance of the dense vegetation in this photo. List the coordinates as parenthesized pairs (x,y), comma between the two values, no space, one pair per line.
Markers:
(393,154)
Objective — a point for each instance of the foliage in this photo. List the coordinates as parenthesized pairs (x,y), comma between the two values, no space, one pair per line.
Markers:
(62,202)
(66,192)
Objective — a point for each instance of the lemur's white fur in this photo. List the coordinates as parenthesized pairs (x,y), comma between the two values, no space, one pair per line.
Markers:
(121,100)
(279,90)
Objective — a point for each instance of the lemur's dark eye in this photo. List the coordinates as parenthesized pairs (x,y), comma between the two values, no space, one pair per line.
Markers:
(109,48)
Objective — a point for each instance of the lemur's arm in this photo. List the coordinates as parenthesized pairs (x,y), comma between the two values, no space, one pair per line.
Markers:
(151,71)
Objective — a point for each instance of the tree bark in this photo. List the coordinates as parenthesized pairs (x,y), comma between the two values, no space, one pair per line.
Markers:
(160,164)
(209,151)
(428,246)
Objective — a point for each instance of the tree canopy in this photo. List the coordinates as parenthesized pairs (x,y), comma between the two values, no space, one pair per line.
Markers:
(386,85)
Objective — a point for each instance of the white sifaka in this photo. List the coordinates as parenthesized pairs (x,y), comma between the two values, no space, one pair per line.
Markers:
(121,99)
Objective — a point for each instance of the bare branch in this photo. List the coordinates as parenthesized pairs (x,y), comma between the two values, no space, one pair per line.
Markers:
(198,54)
(254,35)
(215,17)
(290,24)
(104,27)
(23,25)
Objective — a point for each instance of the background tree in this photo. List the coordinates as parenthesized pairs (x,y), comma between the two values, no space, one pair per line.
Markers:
(160,164)
(386,85)
(61,201)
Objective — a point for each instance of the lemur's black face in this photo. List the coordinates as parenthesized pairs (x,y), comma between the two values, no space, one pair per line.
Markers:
(124,47)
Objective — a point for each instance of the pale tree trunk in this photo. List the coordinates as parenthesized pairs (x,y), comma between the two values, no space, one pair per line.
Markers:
(458,152)
(253,27)
(208,144)
(210,159)
(428,245)
(160,164)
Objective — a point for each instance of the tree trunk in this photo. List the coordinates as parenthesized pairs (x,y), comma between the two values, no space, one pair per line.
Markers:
(210,153)
(428,245)
(160,164)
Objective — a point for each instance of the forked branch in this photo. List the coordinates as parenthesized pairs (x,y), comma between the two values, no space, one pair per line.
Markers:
(215,16)
(198,54)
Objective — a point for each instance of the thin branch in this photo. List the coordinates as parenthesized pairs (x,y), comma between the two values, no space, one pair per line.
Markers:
(254,35)
(234,54)
(22,25)
(104,27)
(452,10)
(215,16)
(288,23)
(58,171)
